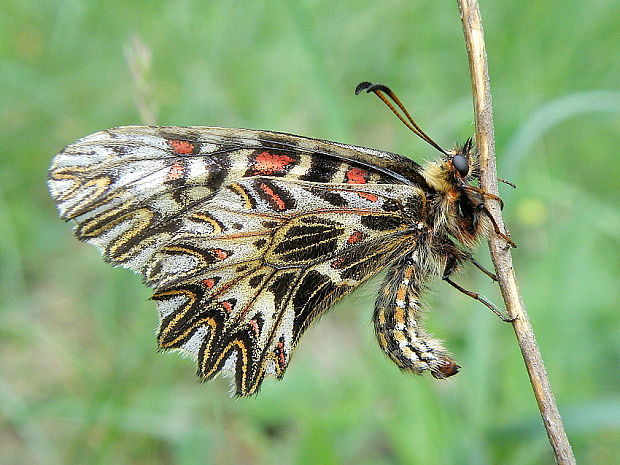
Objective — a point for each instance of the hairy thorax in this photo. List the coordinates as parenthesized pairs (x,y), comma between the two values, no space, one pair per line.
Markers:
(454,211)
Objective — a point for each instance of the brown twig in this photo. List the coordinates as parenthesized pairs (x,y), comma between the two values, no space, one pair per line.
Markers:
(502,259)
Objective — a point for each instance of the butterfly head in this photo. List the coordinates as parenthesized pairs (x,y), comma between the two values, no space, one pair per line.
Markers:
(462,160)
(453,172)
(461,165)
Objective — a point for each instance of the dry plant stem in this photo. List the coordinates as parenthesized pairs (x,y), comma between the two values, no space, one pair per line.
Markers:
(502,259)
(139,59)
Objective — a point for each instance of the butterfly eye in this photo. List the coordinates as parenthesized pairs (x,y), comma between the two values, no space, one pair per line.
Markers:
(460,163)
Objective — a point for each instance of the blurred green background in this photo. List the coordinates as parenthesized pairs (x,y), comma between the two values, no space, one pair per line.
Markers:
(81,380)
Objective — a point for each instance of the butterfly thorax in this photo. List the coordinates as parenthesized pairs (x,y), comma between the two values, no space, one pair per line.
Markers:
(454,211)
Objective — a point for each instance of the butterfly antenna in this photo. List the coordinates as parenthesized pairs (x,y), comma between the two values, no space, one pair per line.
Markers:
(380,91)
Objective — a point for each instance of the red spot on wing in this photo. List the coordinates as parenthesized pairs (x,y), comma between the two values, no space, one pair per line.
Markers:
(181,147)
(357,176)
(176,171)
(254,324)
(267,163)
(209,283)
(228,306)
(277,200)
(368,196)
(220,254)
(281,353)
(356,237)
(360,176)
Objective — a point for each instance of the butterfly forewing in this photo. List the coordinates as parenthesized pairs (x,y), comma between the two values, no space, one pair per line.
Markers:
(129,188)
(245,235)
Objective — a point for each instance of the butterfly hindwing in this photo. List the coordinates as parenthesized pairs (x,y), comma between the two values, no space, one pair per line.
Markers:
(246,236)
(239,301)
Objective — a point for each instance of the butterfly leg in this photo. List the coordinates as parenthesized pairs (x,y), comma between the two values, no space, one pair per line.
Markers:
(457,257)
(509,242)
(490,274)
(511,184)
(451,266)
(398,324)
(480,298)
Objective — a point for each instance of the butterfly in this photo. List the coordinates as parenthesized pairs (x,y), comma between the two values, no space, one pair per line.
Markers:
(247,236)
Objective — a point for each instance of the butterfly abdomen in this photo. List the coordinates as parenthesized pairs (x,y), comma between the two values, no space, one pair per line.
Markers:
(398,323)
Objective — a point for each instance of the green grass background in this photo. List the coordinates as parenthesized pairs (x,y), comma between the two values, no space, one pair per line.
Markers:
(81,381)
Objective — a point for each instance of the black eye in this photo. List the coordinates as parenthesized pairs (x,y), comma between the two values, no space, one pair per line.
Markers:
(461,165)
